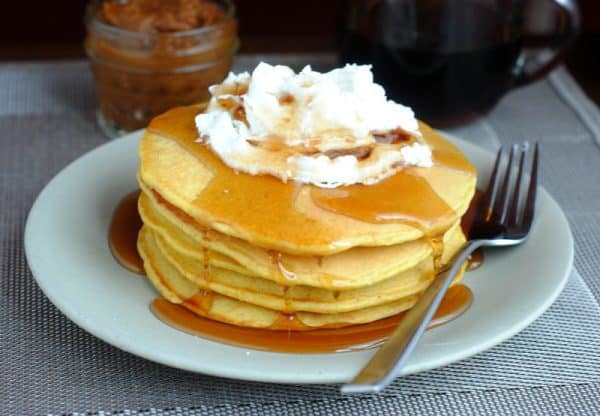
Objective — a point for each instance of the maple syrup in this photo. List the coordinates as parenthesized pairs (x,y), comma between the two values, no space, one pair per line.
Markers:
(476,259)
(354,337)
(122,234)
(418,205)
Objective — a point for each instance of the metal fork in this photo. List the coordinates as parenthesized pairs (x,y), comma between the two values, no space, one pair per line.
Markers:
(503,218)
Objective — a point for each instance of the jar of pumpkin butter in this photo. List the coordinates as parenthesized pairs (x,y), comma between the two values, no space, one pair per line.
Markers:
(151,55)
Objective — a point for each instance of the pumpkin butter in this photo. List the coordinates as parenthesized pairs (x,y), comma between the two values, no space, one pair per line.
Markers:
(153,16)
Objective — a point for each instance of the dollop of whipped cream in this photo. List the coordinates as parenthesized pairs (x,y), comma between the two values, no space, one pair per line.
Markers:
(327,129)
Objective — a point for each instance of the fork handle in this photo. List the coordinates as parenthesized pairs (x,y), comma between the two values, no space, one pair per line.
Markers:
(387,362)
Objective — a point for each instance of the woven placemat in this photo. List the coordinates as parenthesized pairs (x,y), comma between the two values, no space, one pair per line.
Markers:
(50,366)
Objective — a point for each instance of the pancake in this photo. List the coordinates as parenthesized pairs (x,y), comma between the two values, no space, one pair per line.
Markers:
(255,251)
(274,215)
(356,267)
(296,298)
(178,289)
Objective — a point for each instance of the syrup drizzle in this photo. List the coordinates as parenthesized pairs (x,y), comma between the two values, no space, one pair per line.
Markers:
(418,205)
(476,259)
(123,232)
(354,337)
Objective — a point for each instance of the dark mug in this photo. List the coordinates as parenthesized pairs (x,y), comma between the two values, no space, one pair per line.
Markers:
(451,60)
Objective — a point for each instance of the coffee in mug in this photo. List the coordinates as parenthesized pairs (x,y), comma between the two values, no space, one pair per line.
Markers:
(450,60)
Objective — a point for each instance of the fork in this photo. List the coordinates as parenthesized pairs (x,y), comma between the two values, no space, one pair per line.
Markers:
(503,218)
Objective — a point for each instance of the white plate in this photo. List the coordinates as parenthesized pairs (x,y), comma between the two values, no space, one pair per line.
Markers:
(67,251)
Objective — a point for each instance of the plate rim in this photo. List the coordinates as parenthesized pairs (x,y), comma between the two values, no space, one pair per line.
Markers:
(238,374)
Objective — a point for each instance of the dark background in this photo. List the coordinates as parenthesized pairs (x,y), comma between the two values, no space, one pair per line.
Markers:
(34,30)
(54,29)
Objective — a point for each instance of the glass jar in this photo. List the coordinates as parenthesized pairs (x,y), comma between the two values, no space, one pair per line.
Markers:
(140,75)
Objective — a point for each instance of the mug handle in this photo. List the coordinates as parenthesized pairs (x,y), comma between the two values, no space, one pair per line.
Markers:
(522,75)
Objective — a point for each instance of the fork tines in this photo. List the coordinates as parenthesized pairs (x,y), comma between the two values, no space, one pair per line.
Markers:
(503,197)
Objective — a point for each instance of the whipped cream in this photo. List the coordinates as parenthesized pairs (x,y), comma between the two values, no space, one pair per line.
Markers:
(326,129)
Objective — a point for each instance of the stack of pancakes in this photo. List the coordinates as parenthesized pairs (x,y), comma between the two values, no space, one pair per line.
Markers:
(257,252)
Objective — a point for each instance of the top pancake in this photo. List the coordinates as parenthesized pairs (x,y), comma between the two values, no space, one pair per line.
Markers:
(293,218)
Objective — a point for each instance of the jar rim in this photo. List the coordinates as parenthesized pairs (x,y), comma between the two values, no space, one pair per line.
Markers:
(92,21)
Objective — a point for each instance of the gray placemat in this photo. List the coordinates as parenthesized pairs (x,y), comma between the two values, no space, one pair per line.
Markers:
(50,366)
